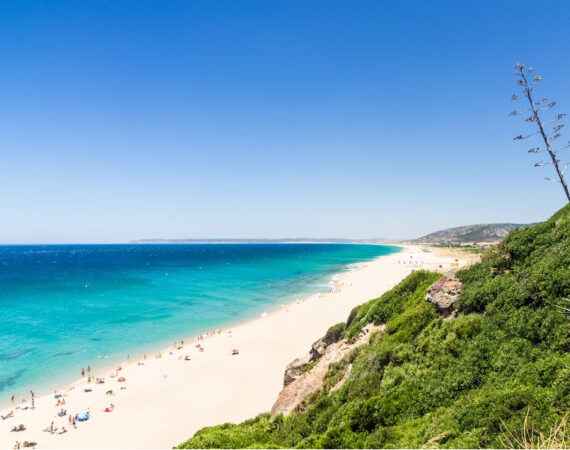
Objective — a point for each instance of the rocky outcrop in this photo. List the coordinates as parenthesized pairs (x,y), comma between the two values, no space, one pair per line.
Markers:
(318,349)
(444,293)
(304,376)
(296,368)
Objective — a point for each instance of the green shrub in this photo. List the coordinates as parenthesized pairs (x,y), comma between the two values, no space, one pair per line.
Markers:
(334,333)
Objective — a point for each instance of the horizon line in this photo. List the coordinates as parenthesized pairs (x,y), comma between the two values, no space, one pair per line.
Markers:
(215,241)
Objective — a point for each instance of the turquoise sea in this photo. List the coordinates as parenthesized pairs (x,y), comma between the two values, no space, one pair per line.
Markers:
(63,307)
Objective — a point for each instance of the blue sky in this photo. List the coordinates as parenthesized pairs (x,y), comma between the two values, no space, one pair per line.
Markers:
(172,119)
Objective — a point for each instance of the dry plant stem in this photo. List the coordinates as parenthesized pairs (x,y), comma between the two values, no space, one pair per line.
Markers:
(530,438)
(543,134)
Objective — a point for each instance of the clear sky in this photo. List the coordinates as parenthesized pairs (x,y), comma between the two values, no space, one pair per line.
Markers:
(191,119)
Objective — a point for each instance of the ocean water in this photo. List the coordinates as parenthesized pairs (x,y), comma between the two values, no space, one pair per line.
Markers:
(63,307)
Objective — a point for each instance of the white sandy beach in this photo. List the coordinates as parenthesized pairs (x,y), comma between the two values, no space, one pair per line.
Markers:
(166,400)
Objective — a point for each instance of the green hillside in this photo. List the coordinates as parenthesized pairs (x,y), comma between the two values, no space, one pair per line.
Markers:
(426,382)
(482,234)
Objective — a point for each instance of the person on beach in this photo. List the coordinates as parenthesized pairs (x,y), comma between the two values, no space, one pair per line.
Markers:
(51,427)
(82,372)
(12,399)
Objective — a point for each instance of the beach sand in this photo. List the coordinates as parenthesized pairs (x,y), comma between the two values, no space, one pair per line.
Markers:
(168,399)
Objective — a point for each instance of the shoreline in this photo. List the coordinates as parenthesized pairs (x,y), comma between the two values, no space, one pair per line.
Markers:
(107,363)
(214,386)
(161,346)
(203,336)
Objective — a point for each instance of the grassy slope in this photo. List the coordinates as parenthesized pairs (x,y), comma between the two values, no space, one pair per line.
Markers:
(447,384)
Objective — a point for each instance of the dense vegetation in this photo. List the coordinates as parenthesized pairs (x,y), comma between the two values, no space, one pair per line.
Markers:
(468,382)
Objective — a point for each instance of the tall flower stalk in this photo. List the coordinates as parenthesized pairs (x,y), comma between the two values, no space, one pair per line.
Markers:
(549,130)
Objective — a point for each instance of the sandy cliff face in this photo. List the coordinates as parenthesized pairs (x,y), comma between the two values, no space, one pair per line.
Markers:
(305,376)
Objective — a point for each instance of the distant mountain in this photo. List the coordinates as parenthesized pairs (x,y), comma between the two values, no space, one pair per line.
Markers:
(255,241)
(483,233)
